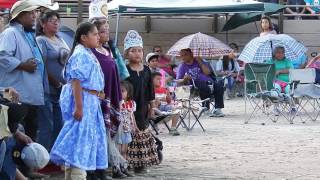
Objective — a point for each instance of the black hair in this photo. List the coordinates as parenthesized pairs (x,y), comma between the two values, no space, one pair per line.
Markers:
(99,22)
(129,88)
(187,50)
(269,20)
(154,74)
(153,57)
(83,29)
(154,47)
(225,62)
(234,46)
(44,18)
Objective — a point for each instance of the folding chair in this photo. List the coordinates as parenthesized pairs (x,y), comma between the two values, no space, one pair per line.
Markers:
(258,86)
(306,93)
(190,105)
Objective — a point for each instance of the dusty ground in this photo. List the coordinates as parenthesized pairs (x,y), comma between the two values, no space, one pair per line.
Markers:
(229,149)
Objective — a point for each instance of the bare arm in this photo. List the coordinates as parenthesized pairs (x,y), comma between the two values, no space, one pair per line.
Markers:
(77,93)
(205,69)
(308,8)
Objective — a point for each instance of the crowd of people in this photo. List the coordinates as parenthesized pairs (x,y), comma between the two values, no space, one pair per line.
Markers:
(88,108)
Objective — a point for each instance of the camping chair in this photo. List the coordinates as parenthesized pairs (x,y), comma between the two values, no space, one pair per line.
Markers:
(260,93)
(258,85)
(161,117)
(306,93)
(155,121)
(190,105)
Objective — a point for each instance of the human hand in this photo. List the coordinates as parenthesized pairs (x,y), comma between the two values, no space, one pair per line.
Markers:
(12,95)
(102,95)
(30,65)
(78,113)
(187,77)
(23,137)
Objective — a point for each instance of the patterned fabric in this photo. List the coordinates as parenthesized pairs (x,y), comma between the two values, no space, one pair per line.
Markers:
(132,39)
(127,125)
(82,144)
(98,9)
(260,49)
(201,45)
(142,150)
(128,108)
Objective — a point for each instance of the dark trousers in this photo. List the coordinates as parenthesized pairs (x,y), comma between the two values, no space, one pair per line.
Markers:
(217,93)
(30,122)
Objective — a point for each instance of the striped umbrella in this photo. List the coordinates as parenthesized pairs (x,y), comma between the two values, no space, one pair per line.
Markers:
(259,49)
(201,45)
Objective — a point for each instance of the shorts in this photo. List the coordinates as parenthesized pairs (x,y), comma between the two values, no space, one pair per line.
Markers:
(166,108)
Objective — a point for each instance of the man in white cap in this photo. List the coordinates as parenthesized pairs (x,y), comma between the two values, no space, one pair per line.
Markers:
(21,63)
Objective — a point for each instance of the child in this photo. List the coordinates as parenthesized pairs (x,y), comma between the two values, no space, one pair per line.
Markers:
(142,150)
(163,102)
(128,124)
(282,66)
(152,60)
(82,142)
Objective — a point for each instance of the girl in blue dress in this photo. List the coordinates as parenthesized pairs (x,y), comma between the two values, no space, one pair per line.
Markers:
(82,142)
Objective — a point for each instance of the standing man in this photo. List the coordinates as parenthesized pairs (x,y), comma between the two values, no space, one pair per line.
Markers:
(21,63)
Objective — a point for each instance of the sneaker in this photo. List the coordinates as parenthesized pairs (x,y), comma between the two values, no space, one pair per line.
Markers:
(293,111)
(174,132)
(276,111)
(217,113)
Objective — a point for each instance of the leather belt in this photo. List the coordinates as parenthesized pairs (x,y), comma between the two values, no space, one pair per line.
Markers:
(94,92)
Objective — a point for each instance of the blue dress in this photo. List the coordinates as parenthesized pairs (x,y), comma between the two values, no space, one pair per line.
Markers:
(82,144)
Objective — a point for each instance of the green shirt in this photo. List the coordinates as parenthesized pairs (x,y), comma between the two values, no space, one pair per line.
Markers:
(281,65)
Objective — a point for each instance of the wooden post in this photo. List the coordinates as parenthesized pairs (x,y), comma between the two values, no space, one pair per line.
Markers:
(216,23)
(148,24)
(80,7)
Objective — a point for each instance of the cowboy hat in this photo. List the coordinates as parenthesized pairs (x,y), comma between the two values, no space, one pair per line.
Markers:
(22,6)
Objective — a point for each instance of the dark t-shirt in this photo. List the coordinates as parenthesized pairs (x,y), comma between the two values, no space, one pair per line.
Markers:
(143,93)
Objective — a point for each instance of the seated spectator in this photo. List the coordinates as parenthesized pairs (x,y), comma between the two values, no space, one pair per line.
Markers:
(152,60)
(194,69)
(312,10)
(282,66)
(240,77)
(163,102)
(16,114)
(229,67)
(164,61)
(295,10)
(266,26)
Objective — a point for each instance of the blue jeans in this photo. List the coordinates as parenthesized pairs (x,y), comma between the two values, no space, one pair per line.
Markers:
(8,171)
(49,121)
(231,82)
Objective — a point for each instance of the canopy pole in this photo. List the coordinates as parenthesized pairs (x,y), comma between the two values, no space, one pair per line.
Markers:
(227,32)
(117,29)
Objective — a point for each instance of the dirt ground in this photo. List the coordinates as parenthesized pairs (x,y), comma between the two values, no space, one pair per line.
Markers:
(230,149)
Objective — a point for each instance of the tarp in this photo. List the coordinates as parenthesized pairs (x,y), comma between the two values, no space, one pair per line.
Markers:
(183,6)
(245,18)
(7,3)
